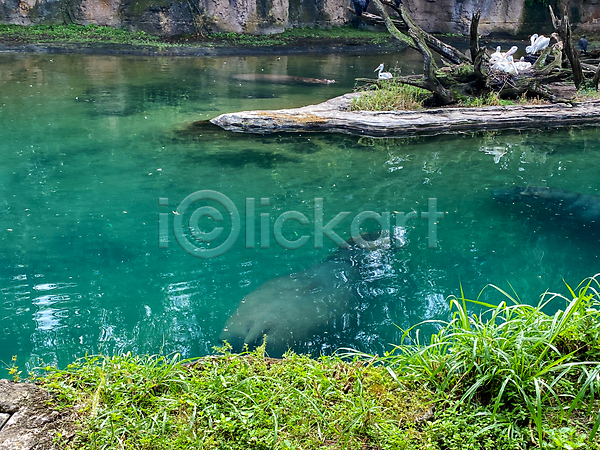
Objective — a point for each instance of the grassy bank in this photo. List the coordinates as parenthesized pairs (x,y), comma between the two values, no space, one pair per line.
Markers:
(77,34)
(512,377)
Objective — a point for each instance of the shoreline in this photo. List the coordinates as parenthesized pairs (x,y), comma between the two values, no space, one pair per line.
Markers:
(334,116)
(99,48)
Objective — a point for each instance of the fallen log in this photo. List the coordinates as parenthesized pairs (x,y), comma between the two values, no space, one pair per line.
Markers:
(335,116)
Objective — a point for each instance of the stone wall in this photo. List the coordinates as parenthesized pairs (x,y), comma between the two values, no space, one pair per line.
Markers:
(173,17)
(454,16)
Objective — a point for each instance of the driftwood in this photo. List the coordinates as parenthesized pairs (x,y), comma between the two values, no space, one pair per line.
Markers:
(335,116)
(472,76)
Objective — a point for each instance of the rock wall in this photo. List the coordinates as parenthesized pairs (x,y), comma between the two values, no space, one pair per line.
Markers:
(588,15)
(173,17)
(454,16)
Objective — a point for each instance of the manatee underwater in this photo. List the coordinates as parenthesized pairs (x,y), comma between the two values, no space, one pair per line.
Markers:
(581,209)
(291,310)
(280,79)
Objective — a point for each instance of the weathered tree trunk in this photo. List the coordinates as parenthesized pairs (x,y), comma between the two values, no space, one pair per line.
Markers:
(392,28)
(563,27)
(474,41)
(441,94)
(441,48)
(596,78)
(557,50)
(479,66)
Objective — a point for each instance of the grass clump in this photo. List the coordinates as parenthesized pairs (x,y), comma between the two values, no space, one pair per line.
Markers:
(587,93)
(75,34)
(510,377)
(391,96)
(515,357)
(491,99)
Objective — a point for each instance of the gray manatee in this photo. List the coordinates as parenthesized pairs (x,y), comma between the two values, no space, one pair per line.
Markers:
(297,307)
(581,208)
(282,79)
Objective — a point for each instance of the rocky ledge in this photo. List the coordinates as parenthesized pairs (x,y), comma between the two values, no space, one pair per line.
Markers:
(335,116)
(28,421)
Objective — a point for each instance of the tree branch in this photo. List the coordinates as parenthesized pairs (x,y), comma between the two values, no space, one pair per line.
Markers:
(445,50)
(392,28)
(377,20)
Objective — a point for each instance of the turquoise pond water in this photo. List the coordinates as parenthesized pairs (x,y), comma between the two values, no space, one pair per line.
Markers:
(90,144)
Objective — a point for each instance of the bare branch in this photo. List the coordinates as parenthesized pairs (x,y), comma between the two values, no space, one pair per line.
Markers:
(392,28)
(377,20)
(443,49)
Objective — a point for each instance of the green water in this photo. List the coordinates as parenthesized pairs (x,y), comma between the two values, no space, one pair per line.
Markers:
(89,144)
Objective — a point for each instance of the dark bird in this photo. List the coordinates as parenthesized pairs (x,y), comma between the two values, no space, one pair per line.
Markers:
(360,6)
(582,44)
(398,3)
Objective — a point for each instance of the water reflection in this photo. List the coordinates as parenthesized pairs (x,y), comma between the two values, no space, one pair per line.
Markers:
(89,144)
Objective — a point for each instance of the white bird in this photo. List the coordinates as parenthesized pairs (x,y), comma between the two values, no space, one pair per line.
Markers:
(538,43)
(383,75)
(496,55)
(504,61)
(522,65)
(541,43)
(506,65)
(512,50)
(512,68)
(529,48)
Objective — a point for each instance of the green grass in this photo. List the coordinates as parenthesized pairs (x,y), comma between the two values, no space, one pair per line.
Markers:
(91,33)
(292,36)
(515,356)
(492,99)
(587,93)
(235,402)
(510,377)
(390,96)
(75,34)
